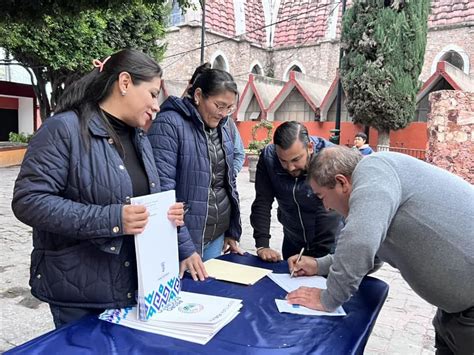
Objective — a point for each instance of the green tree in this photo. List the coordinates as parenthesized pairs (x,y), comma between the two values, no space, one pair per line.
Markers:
(34,10)
(59,47)
(384,44)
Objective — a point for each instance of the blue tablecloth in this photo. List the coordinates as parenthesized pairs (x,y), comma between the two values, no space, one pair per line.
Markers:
(258,329)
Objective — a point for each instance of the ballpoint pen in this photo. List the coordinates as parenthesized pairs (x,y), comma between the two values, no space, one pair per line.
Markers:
(297,261)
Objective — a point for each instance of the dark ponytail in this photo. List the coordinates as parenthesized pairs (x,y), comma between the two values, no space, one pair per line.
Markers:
(84,95)
(213,82)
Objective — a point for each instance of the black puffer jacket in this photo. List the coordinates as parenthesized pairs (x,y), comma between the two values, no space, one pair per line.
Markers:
(305,220)
(218,207)
(73,197)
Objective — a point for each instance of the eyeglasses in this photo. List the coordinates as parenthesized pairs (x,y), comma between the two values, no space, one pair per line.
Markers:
(225,110)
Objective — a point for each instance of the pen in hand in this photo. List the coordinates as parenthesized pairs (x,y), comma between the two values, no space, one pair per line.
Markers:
(297,261)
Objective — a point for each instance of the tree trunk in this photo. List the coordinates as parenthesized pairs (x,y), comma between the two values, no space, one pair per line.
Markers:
(40,92)
(383,143)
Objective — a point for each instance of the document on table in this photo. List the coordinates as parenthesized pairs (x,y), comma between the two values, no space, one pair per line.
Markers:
(284,307)
(157,257)
(293,283)
(197,318)
(233,272)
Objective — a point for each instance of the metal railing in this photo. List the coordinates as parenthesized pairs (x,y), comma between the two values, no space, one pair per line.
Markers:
(416,153)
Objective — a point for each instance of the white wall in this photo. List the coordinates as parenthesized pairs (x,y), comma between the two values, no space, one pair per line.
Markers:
(25,115)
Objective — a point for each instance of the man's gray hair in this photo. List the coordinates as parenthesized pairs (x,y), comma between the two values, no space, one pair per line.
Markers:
(331,161)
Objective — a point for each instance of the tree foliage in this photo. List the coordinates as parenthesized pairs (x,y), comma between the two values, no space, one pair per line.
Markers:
(384,48)
(61,46)
(32,10)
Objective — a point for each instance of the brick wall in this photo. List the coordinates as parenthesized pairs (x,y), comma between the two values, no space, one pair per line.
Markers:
(451,132)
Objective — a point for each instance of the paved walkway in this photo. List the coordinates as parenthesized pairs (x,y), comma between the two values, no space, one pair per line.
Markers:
(403,326)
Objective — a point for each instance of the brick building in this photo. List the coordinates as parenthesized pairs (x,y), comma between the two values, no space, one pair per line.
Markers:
(273,37)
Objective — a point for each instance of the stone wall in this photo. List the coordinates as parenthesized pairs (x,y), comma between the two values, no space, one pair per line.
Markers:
(446,38)
(239,54)
(319,60)
(451,132)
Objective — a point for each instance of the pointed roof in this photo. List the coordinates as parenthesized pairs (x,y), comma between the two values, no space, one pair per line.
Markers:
(329,99)
(264,89)
(313,90)
(453,76)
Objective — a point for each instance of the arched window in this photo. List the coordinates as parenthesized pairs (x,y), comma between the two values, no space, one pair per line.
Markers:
(454,55)
(295,68)
(454,58)
(219,63)
(256,69)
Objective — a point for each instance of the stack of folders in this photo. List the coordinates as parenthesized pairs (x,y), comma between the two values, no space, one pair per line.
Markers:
(157,257)
(161,307)
(197,318)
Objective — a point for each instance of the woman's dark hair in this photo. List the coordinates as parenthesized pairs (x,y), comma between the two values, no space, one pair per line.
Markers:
(84,95)
(198,71)
(288,132)
(213,82)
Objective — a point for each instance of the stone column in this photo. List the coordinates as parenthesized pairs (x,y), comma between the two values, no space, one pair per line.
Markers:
(451,132)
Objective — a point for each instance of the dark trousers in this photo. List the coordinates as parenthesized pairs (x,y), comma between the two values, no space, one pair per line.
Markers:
(289,248)
(64,315)
(454,332)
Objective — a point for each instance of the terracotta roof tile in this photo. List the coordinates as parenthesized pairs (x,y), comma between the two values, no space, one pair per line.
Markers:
(449,12)
(254,21)
(307,22)
(220,16)
(308,19)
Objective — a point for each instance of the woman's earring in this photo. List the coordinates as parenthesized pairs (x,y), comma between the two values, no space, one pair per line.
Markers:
(123,92)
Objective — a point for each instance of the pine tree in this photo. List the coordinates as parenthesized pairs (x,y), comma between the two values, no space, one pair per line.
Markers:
(384,44)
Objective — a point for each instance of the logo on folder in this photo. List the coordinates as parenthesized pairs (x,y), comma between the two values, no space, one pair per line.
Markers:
(191,308)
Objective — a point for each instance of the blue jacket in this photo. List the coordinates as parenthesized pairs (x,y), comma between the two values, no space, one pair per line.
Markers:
(72,196)
(306,223)
(181,155)
(365,150)
(239,151)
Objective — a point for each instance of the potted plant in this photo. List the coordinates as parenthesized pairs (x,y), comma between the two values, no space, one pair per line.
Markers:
(13,151)
(255,146)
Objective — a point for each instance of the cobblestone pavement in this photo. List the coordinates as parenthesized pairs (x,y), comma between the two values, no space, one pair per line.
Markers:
(403,326)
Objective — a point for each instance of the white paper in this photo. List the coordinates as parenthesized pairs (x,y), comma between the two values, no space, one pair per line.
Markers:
(157,257)
(292,283)
(289,284)
(284,307)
